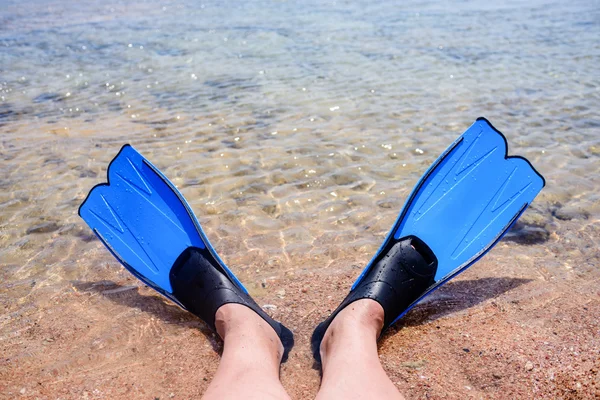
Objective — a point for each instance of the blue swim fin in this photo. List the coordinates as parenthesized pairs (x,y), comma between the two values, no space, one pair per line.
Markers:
(463,205)
(148,226)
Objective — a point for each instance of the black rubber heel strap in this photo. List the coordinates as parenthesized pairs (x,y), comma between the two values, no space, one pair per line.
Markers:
(201,285)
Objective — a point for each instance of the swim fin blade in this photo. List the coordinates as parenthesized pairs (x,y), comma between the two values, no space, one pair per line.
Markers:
(463,205)
(146,223)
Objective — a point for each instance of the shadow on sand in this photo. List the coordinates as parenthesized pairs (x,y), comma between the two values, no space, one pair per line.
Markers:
(456,296)
(156,305)
(451,297)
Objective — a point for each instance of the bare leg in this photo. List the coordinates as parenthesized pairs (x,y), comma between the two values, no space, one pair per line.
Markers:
(351,367)
(252,351)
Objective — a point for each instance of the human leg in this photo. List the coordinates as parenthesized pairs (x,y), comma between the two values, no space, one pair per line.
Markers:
(351,366)
(249,367)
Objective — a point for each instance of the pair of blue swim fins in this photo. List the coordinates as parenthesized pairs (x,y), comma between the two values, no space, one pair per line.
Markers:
(463,205)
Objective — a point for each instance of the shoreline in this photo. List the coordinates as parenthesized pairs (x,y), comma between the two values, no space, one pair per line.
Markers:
(504,328)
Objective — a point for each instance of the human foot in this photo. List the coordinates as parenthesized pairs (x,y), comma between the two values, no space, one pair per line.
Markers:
(252,353)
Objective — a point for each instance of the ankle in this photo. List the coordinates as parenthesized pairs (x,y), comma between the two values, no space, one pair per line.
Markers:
(364,314)
(230,318)
(359,321)
(236,323)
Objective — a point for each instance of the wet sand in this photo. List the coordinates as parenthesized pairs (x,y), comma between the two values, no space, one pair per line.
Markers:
(489,333)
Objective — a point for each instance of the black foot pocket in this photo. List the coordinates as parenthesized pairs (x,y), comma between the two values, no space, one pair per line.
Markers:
(399,275)
(202,285)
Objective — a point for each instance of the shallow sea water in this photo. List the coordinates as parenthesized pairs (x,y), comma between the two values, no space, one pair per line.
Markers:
(295,130)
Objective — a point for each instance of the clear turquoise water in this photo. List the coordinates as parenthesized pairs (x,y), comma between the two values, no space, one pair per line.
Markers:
(295,130)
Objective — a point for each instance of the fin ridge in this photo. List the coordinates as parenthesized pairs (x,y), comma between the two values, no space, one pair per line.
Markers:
(117,225)
(478,161)
(504,188)
(461,171)
(143,186)
(148,261)
(150,203)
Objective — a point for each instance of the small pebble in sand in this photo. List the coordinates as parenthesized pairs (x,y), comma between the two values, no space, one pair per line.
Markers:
(529,366)
(568,213)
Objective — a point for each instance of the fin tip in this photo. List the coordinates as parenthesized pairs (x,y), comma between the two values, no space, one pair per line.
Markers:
(107,183)
(506,156)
